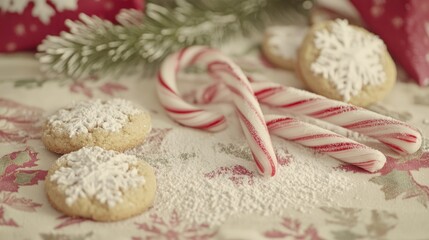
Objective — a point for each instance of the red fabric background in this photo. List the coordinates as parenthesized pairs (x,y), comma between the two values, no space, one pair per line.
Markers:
(21,32)
(404,27)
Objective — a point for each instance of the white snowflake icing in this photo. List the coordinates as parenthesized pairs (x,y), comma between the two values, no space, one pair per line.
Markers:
(350,59)
(95,172)
(82,117)
(41,9)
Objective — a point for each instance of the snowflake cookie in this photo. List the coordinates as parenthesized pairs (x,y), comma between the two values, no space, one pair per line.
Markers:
(100,184)
(115,124)
(281,43)
(346,62)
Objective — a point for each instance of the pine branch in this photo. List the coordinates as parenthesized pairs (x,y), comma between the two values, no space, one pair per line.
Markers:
(94,45)
(130,17)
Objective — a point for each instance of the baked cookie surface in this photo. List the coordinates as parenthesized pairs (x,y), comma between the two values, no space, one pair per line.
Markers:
(99,184)
(115,124)
(281,43)
(346,63)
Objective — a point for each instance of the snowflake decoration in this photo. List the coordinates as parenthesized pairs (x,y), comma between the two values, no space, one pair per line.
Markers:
(349,58)
(41,9)
(82,117)
(95,172)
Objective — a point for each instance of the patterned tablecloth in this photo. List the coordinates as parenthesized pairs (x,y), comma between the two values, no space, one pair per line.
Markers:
(208,186)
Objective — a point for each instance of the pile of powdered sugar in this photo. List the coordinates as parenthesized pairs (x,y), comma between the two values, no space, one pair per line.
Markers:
(207,177)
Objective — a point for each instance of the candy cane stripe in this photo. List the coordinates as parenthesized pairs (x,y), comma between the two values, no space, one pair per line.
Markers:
(325,141)
(248,109)
(395,134)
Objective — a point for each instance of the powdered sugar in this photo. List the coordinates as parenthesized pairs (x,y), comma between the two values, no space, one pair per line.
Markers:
(95,172)
(208,177)
(349,59)
(285,40)
(82,117)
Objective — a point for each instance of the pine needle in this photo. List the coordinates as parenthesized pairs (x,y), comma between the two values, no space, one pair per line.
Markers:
(97,46)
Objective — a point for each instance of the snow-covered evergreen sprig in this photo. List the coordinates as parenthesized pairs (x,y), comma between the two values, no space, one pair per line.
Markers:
(94,45)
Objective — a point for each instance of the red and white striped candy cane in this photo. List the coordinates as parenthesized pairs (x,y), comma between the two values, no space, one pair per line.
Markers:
(246,105)
(395,134)
(325,141)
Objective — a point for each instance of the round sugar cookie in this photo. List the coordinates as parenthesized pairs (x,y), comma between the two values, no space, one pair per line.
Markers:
(99,184)
(281,43)
(115,124)
(346,63)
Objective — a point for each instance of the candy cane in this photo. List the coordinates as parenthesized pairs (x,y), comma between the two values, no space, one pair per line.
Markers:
(395,134)
(246,105)
(325,141)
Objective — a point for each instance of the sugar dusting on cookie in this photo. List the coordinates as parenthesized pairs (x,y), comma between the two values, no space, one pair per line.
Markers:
(95,172)
(82,117)
(350,59)
(285,40)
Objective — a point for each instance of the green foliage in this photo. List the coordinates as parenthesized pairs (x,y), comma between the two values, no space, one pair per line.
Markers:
(98,46)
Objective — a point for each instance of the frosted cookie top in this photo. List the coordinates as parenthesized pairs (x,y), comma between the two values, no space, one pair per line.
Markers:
(285,40)
(349,58)
(82,117)
(95,172)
